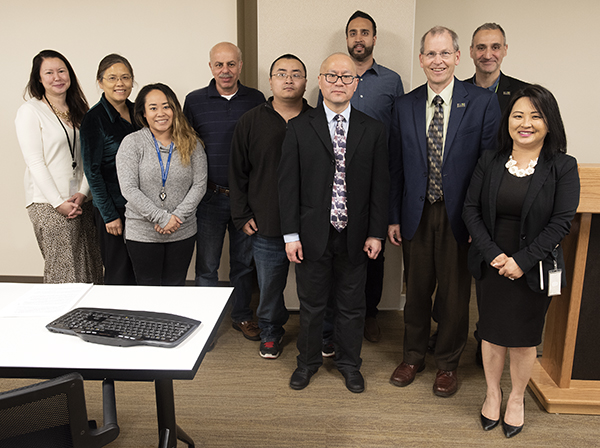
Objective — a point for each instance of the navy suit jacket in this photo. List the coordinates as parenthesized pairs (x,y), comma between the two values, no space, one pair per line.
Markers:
(306,175)
(472,129)
(549,207)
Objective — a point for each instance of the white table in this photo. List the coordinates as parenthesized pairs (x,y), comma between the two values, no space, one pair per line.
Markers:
(29,350)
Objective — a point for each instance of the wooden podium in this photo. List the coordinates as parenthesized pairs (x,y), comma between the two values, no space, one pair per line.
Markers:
(566,379)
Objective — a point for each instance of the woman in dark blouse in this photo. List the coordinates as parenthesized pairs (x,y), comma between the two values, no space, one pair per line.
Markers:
(102,130)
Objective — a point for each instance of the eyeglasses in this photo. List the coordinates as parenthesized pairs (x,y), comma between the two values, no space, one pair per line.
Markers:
(445,55)
(114,79)
(284,76)
(332,78)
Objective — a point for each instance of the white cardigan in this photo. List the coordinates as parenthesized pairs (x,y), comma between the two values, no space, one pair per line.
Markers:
(47,156)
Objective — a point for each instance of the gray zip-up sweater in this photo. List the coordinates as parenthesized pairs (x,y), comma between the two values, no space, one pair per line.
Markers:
(138,170)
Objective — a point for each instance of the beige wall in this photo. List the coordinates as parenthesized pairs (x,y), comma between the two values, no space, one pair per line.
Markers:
(550,42)
(547,42)
(166,42)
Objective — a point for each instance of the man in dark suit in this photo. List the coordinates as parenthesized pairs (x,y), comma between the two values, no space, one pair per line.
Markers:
(438,133)
(488,49)
(334,184)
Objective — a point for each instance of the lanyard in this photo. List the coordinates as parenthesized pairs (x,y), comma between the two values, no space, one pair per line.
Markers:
(164,172)
(71,148)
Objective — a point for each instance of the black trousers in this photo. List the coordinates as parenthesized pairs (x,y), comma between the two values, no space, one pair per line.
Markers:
(335,275)
(434,258)
(161,264)
(118,269)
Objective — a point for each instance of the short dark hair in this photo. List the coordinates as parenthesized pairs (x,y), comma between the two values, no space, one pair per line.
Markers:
(108,61)
(286,56)
(361,15)
(76,100)
(489,26)
(545,103)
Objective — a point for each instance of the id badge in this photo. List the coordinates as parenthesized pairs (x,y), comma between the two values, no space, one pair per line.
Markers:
(554,278)
(73,186)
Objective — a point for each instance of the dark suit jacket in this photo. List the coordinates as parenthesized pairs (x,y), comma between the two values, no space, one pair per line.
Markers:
(306,175)
(472,127)
(549,208)
(506,88)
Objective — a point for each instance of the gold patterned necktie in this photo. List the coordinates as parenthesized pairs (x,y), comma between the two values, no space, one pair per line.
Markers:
(339,214)
(435,140)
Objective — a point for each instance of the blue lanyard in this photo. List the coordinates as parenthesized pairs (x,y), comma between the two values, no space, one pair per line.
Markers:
(164,172)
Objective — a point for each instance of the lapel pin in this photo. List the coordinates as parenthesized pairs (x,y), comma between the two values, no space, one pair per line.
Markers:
(460,105)
(506,92)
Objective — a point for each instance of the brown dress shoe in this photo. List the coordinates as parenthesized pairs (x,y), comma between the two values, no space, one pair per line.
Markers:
(249,329)
(446,383)
(405,374)
(372,331)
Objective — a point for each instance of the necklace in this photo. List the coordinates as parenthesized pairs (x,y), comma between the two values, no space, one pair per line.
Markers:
(511,166)
(66,116)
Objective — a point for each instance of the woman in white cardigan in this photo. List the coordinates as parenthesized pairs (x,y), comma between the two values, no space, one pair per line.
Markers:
(56,191)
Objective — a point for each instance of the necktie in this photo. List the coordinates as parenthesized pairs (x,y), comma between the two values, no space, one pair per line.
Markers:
(339,214)
(435,139)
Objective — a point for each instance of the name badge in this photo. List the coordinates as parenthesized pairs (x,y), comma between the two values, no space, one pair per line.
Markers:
(554,278)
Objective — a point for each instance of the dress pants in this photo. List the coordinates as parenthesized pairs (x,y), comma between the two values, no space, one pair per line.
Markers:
(432,257)
(161,264)
(334,274)
(117,265)
(373,291)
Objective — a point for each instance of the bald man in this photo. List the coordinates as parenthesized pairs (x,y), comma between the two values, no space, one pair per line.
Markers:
(213,112)
(333,183)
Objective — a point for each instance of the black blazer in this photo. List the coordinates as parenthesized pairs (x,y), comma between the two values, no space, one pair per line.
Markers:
(507,87)
(306,175)
(549,208)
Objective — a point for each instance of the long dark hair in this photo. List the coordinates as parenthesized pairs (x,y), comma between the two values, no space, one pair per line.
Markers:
(545,103)
(184,136)
(76,101)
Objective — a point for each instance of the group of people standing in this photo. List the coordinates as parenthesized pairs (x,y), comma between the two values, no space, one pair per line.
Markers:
(470,177)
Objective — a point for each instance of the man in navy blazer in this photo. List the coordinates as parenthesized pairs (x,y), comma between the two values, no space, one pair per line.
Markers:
(431,230)
(332,257)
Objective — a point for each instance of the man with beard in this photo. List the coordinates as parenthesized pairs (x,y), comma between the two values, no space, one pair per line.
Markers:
(377,90)
(213,112)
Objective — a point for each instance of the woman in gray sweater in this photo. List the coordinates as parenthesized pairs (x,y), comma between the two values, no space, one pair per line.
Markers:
(162,174)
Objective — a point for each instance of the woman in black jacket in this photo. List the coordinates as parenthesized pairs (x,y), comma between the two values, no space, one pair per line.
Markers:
(518,208)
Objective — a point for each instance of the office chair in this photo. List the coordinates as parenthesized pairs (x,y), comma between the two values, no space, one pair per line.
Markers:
(53,414)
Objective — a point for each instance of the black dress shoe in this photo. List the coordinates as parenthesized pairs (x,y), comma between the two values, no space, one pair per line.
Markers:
(300,378)
(354,381)
(489,424)
(510,430)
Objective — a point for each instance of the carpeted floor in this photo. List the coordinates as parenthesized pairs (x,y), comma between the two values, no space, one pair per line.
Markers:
(241,400)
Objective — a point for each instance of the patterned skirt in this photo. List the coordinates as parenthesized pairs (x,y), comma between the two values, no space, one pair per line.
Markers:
(69,246)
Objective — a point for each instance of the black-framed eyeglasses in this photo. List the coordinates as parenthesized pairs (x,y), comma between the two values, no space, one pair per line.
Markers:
(332,78)
(284,76)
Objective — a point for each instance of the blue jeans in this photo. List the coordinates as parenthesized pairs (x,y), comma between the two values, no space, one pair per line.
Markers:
(272,267)
(214,217)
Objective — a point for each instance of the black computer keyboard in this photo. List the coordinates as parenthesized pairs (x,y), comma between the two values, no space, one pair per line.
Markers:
(125,328)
